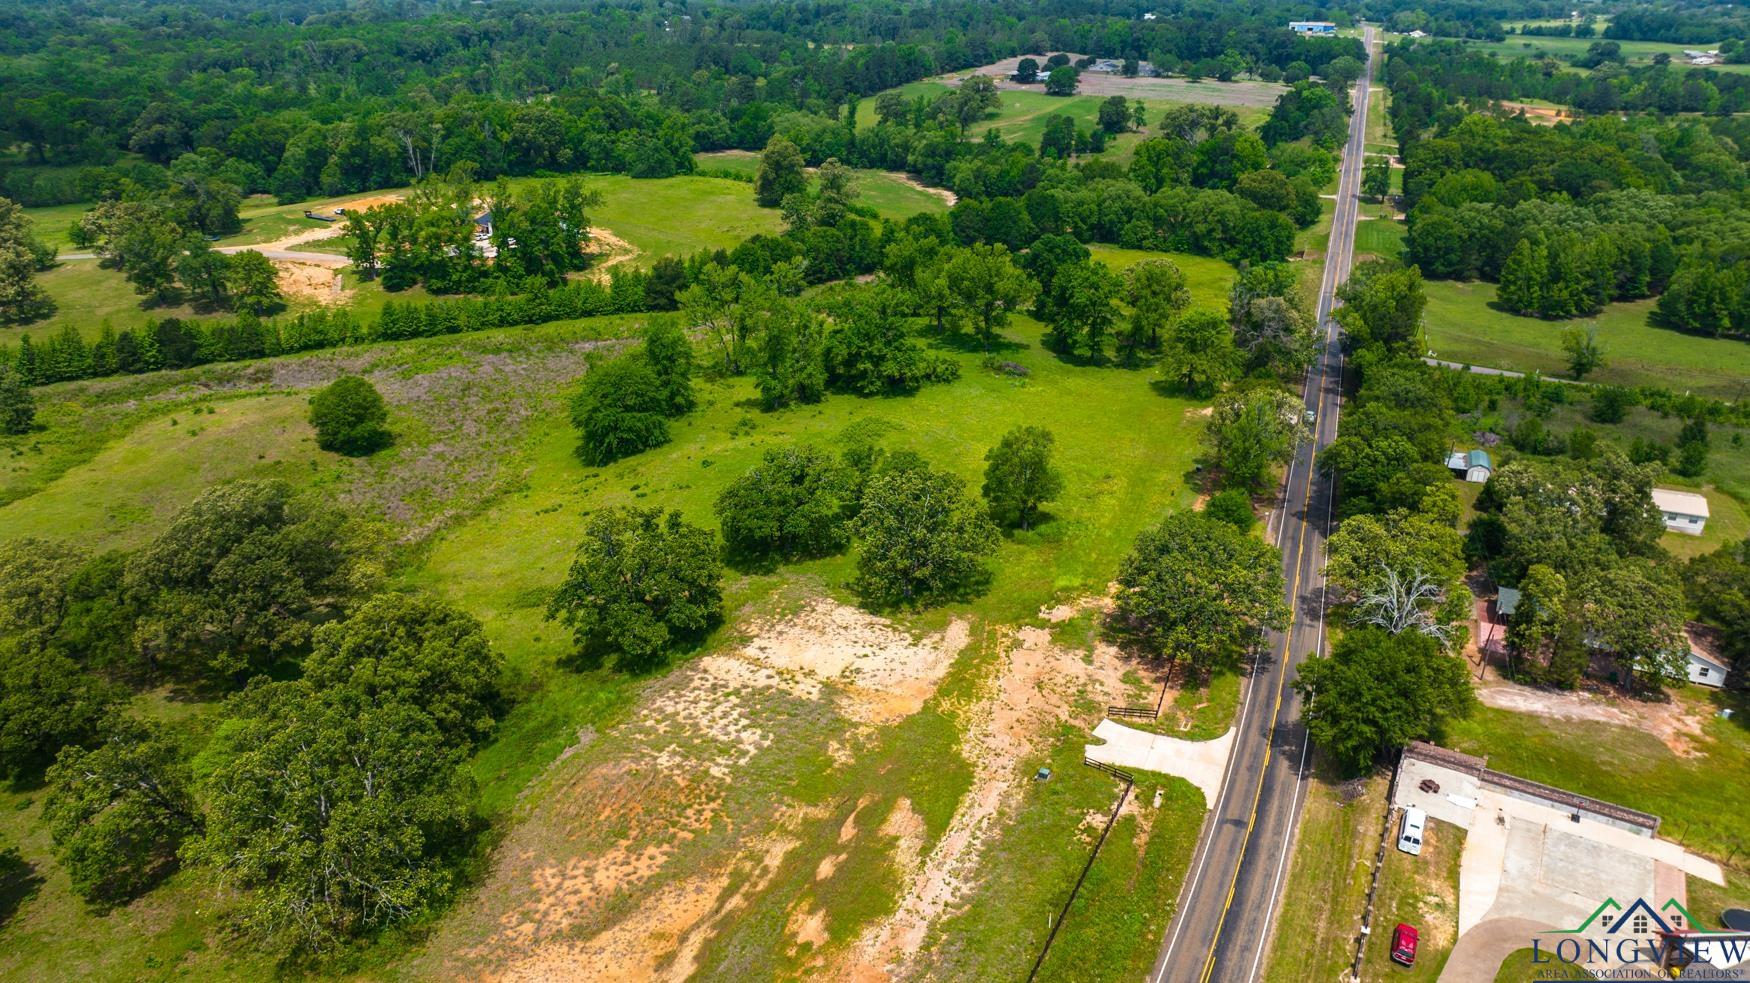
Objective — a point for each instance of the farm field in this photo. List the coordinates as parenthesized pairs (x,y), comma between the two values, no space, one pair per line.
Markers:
(485,496)
(892,195)
(1023,111)
(1636,53)
(1463,326)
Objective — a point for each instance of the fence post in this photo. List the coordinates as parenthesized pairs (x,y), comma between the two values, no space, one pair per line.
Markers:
(1123,794)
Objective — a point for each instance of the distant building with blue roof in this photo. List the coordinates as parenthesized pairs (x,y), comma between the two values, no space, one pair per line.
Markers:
(1471,466)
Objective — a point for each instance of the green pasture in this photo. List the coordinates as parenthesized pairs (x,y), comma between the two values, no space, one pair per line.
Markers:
(1636,53)
(1463,325)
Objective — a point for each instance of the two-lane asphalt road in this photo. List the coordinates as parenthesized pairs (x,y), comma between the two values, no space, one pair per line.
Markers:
(1228,904)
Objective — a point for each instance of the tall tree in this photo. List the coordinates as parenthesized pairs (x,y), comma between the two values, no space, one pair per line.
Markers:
(1251,430)
(1377,691)
(924,540)
(987,287)
(1196,588)
(1199,354)
(1157,293)
(1382,303)
(641,584)
(118,813)
(337,818)
(17,406)
(795,503)
(415,650)
(780,173)
(1019,476)
(22,298)
(240,577)
(349,417)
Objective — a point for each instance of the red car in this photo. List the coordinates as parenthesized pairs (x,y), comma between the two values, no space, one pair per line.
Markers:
(1403,945)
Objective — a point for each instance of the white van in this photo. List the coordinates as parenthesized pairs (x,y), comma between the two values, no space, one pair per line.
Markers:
(1410,834)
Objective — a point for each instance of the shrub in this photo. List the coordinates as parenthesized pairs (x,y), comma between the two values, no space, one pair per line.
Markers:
(349,417)
(620,410)
(795,503)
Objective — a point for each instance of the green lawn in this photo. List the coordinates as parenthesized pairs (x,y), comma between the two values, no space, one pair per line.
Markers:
(1207,278)
(1637,53)
(1378,237)
(1421,891)
(1022,114)
(1463,326)
(679,216)
(1327,882)
(1114,928)
(889,194)
(133,486)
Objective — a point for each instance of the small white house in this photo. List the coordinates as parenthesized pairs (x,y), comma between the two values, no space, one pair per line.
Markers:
(1684,511)
(1471,466)
(1313,28)
(1706,667)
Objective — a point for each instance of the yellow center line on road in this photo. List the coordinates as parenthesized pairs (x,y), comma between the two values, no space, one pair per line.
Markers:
(1275,712)
(1331,274)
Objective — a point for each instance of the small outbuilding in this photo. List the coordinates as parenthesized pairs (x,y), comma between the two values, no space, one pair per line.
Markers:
(1706,666)
(1471,465)
(1507,601)
(1684,511)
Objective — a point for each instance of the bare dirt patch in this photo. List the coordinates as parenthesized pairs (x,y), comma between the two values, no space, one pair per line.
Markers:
(1063,612)
(1543,115)
(885,673)
(1674,722)
(1033,686)
(309,282)
(608,251)
(949,198)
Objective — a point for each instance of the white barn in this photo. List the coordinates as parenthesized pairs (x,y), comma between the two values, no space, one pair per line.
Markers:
(1683,511)
(1472,466)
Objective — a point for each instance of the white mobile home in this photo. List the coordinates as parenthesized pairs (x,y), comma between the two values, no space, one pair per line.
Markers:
(1683,511)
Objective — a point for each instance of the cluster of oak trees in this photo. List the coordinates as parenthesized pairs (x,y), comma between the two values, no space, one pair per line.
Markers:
(1570,218)
(1396,563)
(332,796)
(643,583)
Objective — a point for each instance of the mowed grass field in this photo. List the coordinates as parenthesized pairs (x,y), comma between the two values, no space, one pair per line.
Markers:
(1462,325)
(667,216)
(891,195)
(1329,872)
(117,458)
(1635,53)
(1022,113)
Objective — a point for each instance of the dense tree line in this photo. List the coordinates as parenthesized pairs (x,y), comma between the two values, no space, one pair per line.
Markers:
(1571,217)
(292,99)
(333,798)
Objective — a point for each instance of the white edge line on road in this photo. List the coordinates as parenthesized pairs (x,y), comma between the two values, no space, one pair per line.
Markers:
(1319,644)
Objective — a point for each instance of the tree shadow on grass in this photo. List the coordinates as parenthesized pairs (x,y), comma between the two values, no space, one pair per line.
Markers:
(969,343)
(19,882)
(585,658)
